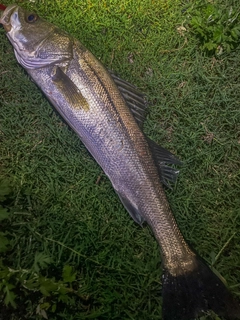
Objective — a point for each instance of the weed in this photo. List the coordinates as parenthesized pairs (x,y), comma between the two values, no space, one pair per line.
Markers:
(217,26)
(17,285)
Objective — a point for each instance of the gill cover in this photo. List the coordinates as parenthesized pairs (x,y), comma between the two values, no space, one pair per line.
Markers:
(37,43)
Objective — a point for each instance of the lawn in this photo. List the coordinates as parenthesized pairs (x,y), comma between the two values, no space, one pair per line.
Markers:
(69,250)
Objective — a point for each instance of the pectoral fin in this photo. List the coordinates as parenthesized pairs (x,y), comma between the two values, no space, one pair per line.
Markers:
(70,91)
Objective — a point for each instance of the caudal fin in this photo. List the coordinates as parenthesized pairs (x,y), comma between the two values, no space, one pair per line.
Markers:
(189,295)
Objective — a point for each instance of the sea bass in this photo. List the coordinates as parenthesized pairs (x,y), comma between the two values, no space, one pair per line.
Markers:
(106,113)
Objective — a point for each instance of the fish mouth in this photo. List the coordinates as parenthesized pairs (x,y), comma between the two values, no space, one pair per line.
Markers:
(5,18)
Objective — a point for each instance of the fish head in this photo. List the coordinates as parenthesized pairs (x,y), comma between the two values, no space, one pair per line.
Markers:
(37,43)
(24,29)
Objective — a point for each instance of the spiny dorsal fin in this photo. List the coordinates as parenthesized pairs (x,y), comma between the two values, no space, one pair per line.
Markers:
(137,103)
(135,100)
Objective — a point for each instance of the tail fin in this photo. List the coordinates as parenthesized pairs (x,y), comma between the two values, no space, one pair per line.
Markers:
(187,296)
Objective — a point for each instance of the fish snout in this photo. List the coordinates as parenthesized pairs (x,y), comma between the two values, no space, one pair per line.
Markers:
(9,17)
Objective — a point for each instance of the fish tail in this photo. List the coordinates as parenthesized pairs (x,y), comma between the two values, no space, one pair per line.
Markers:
(190,294)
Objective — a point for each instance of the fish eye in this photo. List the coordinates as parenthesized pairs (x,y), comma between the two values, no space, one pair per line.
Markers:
(32,18)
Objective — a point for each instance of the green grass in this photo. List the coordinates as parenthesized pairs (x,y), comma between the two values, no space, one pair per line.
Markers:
(56,205)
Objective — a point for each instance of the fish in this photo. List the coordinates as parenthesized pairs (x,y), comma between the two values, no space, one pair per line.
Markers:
(107,114)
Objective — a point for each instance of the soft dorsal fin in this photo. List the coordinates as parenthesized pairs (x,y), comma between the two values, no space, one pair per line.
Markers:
(162,158)
(135,100)
(137,103)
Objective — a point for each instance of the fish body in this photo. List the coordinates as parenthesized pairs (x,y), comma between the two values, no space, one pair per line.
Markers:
(97,106)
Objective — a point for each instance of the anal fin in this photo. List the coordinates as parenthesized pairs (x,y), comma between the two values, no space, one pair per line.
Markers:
(132,210)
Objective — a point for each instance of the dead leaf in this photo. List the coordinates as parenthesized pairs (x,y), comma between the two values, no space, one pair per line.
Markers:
(181,30)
